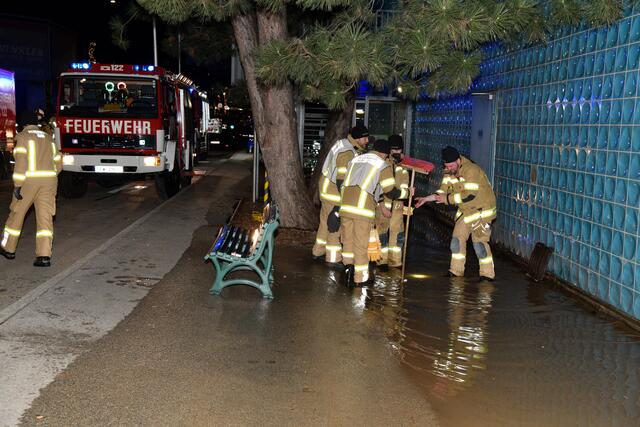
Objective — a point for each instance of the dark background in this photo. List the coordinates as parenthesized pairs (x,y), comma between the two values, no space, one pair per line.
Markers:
(38,41)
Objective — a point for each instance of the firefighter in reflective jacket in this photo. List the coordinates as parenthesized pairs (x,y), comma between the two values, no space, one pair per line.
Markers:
(465,184)
(391,230)
(35,178)
(368,177)
(334,170)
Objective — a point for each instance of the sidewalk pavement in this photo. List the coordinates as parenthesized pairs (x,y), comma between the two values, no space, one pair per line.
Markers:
(311,356)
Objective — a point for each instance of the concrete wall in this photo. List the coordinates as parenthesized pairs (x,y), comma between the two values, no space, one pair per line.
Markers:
(567,156)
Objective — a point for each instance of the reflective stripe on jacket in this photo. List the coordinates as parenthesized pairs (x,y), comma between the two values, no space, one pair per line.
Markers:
(401,176)
(334,169)
(471,191)
(36,156)
(368,176)
(330,168)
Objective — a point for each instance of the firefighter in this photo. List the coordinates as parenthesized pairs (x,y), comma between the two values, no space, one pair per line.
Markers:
(35,177)
(368,177)
(334,169)
(465,185)
(391,230)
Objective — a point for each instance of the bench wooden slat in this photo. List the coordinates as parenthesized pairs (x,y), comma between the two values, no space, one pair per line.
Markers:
(241,250)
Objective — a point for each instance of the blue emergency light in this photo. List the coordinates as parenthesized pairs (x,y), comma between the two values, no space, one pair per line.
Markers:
(149,68)
(80,65)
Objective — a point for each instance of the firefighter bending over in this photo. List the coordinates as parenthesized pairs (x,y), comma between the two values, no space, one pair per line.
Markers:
(35,177)
(369,176)
(465,184)
(334,170)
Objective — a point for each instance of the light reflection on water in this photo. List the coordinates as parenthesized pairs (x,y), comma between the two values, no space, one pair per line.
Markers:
(505,353)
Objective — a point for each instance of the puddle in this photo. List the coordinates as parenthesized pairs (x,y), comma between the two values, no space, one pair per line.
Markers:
(510,352)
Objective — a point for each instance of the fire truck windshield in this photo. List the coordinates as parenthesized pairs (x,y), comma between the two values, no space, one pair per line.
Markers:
(90,96)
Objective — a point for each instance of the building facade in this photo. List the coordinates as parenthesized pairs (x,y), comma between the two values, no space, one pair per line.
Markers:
(566,168)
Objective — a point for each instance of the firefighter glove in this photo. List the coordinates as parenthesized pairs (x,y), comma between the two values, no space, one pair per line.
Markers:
(16,192)
(333,221)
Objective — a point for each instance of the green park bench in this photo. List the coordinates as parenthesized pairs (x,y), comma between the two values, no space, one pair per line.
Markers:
(237,249)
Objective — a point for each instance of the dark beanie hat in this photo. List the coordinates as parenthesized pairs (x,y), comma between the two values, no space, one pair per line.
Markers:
(449,154)
(396,142)
(359,131)
(382,146)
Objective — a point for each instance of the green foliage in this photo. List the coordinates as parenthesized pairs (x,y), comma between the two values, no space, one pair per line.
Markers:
(118,25)
(171,11)
(429,43)
(566,12)
(602,12)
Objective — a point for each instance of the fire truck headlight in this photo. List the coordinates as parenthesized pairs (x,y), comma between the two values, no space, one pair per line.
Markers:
(152,161)
(68,160)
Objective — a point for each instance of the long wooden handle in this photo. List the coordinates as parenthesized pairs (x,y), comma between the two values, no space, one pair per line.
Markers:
(405,244)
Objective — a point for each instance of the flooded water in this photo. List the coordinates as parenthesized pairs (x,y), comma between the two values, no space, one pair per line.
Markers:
(512,352)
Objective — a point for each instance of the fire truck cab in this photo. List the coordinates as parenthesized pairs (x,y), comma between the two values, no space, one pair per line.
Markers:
(117,119)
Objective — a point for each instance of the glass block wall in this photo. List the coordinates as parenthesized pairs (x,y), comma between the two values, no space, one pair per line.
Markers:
(567,169)
(436,125)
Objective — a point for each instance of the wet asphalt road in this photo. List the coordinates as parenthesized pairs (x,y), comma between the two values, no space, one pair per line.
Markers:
(184,357)
(431,350)
(81,225)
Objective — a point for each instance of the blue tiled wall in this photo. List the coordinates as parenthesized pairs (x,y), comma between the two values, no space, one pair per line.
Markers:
(436,125)
(567,169)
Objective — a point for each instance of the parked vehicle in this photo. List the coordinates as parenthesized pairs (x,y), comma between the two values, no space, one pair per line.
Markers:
(114,120)
(7,121)
(231,129)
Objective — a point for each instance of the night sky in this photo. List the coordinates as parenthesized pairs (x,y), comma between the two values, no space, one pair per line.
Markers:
(89,19)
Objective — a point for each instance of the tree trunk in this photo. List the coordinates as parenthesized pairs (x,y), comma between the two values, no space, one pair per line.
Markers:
(280,147)
(245,31)
(338,124)
(275,121)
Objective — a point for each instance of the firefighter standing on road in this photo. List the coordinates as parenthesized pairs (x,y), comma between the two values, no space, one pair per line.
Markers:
(391,230)
(465,184)
(35,177)
(368,177)
(334,170)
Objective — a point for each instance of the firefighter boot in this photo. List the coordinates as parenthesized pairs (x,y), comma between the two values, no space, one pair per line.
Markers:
(348,276)
(372,273)
(42,261)
(7,254)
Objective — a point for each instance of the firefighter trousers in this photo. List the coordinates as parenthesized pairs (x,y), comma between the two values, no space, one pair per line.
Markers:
(391,232)
(42,195)
(480,235)
(327,244)
(355,242)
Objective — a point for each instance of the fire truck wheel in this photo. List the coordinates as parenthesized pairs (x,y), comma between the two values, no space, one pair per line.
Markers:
(168,183)
(72,185)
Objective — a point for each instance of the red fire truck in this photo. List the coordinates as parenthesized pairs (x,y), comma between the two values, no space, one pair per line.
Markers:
(7,120)
(117,119)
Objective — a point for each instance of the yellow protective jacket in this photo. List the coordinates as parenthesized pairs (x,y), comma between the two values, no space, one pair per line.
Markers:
(334,169)
(368,176)
(401,176)
(36,157)
(471,191)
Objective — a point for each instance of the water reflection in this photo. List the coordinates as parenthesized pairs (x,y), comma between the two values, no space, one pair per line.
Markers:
(507,353)
(467,339)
